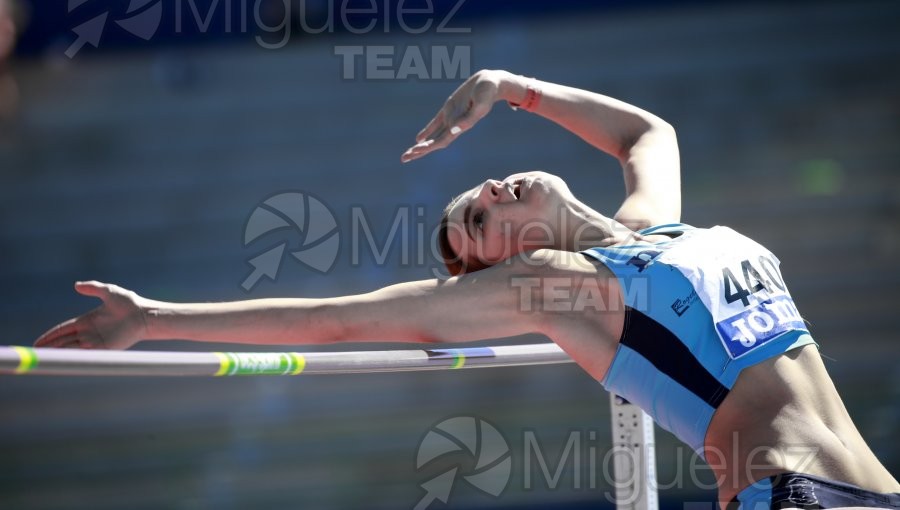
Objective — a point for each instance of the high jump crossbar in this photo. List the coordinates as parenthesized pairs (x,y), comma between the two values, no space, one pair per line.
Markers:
(632,429)
(44,361)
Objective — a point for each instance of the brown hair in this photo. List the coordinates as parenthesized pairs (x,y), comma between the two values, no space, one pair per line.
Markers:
(452,260)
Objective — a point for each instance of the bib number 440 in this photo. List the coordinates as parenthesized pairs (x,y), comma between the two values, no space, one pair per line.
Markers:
(771,313)
(753,280)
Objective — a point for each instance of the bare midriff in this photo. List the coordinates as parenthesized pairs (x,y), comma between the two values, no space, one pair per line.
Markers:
(782,415)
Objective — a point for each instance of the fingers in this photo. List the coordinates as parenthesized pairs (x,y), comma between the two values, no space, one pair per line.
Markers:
(76,342)
(63,329)
(430,135)
(77,332)
(73,340)
(442,139)
(441,131)
(60,342)
(427,132)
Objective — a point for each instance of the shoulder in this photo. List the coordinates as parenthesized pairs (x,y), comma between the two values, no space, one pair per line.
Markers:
(553,276)
(562,283)
(563,268)
(572,282)
(549,262)
(577,302)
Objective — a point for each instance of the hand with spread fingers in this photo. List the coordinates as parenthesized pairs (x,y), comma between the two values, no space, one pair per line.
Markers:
(116,324)
(465,107)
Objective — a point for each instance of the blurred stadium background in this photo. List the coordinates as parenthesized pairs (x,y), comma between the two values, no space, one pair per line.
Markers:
(139,162)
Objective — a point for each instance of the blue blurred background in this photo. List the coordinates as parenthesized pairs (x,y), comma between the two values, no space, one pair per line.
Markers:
(136,138)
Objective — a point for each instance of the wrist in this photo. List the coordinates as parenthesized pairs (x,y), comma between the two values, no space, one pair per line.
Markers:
(150,313)
(522,92)
(512,88)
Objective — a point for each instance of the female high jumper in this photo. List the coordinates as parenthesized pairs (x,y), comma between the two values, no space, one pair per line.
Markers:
(694,325)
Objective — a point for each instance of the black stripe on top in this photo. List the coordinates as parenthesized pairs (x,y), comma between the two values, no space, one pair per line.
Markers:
(665,351)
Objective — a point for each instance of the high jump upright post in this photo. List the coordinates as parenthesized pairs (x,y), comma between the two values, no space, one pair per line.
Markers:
(634,456)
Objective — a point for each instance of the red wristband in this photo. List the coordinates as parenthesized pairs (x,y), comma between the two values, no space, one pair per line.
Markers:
(531,101)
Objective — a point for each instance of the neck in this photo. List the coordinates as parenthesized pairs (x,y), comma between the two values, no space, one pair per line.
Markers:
(584,228)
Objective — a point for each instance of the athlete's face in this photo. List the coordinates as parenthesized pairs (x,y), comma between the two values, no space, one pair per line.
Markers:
(498,219)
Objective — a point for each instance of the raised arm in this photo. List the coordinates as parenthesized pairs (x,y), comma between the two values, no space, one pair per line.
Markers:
(643,143)
(473,307)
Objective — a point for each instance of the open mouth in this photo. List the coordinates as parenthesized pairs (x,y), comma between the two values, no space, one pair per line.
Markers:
(517,189)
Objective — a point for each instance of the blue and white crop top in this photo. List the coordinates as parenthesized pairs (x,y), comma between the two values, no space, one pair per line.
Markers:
(699,309)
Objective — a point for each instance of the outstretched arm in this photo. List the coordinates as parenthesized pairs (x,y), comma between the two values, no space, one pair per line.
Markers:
(478,306)
(455,310)
(643,143)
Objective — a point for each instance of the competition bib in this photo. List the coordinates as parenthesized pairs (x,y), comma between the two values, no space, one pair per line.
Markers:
(739,282)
